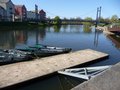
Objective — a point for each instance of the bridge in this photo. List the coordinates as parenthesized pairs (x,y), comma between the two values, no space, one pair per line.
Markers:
(79,21)
(69,21)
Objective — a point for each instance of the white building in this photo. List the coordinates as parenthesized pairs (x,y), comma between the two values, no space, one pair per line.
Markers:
(9,7)
(2,14)
(31,15)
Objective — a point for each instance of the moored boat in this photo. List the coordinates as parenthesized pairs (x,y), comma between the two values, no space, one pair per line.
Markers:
(45,50)
(11,55)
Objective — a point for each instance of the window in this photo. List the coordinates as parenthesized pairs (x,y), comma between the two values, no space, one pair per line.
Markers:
(11,13)
(10,8)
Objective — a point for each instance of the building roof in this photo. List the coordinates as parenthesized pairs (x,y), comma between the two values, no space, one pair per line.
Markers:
(42,11)
(19,5)
(2,8)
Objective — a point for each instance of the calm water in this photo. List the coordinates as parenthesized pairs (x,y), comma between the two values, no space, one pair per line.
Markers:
(77,37)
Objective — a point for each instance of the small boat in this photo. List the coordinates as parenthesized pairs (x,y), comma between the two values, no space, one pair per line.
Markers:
(11,55)
(14,51)
(84,73)
(44,50)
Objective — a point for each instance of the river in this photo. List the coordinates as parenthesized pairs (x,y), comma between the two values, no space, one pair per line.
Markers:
(77,37)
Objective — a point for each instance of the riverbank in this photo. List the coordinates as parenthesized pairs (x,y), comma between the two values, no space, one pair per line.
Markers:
(31,24)
(20,25)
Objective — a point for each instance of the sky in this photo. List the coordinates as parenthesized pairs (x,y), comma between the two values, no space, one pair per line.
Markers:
(73,8)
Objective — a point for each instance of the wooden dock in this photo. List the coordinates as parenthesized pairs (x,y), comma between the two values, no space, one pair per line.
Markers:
(23,71)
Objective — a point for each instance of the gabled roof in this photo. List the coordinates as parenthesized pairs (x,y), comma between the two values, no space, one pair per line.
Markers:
(2,8)
(20,6)
(4,1)
(42,11)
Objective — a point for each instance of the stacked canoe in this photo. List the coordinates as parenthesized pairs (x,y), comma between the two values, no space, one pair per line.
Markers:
(29,53)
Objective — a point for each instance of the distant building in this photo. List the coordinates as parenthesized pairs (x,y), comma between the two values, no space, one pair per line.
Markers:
(20,12)
(31,15)
(2,14)
(9,8)
(42,14)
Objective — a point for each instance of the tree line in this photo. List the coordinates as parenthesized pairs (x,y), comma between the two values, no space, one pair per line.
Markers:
(113,19)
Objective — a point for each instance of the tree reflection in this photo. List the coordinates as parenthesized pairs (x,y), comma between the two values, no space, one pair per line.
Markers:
(42,33)
(65,27)
(57,28)
(87,29)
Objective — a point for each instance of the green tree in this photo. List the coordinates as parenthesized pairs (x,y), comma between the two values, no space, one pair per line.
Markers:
(65,18)
(114,19)
(57,20)
(102,19)
(78,18)
(107,20)
(88,19)
(64,22)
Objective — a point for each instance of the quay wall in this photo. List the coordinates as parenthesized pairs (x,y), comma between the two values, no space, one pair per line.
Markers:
(108,80)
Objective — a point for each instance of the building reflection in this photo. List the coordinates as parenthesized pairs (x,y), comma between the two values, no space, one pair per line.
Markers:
(115,39)
(7,39)
(20,36)
(40,34)
(10,38)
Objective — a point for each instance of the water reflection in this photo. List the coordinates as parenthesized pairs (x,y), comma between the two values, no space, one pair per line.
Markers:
(87,29)
(96,38)
(65,27)
(10,38)
(56,28)
(115,39)
(7,39)
(20,36)
(77,37)
(70,82)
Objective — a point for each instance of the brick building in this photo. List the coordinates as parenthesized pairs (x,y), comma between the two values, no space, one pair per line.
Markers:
(42,14)
(20,13)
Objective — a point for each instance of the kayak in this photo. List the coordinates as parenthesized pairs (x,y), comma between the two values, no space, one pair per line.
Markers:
(12,55)
(45,50)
